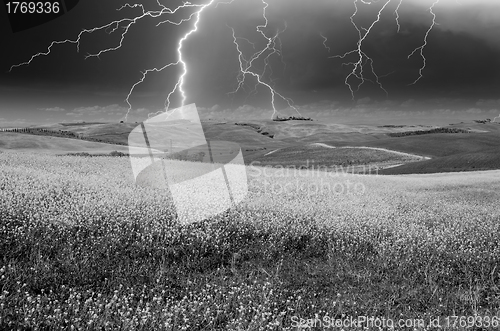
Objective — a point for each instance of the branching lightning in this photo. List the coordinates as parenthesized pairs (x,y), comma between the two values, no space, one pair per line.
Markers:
(363,58)
(421,48)
(273,47)
(128,23)
(180,82)
(245,66)
(357,70)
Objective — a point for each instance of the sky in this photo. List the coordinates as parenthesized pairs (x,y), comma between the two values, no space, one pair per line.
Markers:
(460,80)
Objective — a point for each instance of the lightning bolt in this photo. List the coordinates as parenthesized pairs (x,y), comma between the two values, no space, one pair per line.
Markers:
(421,48)
(245,66)
(396,12)
(358,70)
(273,47)
(325,40)
(495,118)
(180,83)
(114,25)
(363,58)
(130,22)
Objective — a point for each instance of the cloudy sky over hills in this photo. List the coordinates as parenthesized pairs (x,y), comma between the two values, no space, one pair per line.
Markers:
(461,79)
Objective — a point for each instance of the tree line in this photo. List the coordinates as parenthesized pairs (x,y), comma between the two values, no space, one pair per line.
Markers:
(292,118)
(419,132)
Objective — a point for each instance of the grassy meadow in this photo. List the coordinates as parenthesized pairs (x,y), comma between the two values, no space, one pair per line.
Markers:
(83,248)
(448,148)
(11,141)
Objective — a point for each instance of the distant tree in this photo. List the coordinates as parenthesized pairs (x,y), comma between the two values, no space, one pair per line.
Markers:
(290,118)
(116,153)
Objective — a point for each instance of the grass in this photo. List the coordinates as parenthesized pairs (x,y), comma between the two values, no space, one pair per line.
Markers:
(473,161)
(81,247)
(435,145)
(314,156)
(448,151)
(56,145)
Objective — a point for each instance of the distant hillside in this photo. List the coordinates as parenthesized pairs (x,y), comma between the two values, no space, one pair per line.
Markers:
(258,128)
(477,126)
(448,152)
(112,133)
(312,156)
(435,145)
(11,141)
(61,134)
(450,148)
(483,160)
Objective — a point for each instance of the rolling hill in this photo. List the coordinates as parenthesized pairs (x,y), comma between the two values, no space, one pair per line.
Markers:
(53,145)
(289,143)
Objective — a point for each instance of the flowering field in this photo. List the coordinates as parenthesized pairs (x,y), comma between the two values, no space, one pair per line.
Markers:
(83,248)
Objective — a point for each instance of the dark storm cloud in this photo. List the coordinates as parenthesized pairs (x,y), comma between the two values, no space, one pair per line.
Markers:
(462,57)
(97,111)
(479,18)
